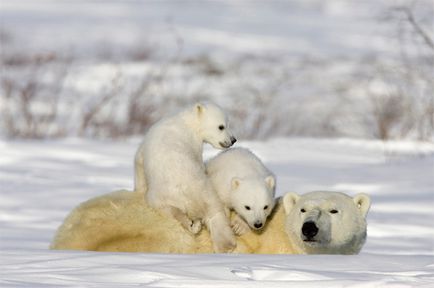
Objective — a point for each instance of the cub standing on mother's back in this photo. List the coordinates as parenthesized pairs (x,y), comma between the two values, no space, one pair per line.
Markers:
(171,173)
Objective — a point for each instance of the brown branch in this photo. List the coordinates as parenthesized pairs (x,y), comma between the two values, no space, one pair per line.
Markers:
(425,36)
(92,112)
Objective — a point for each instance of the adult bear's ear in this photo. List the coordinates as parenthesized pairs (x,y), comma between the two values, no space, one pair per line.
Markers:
(199,108)
(363,203)
(289,200)
(235,183)
(270,181)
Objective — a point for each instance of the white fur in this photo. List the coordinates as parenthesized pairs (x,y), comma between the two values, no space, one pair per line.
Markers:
(343,232)
(171,174)
(244,185)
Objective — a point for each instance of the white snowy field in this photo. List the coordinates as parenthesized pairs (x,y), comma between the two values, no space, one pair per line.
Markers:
(41,181)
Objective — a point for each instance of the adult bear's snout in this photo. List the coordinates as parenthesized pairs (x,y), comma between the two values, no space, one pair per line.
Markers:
(309,229)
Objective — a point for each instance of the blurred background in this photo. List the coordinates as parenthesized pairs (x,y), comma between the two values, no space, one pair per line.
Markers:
(311,68)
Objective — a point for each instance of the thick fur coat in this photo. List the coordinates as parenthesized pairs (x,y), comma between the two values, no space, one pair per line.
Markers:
(244,185)
(122,222)
(171,175)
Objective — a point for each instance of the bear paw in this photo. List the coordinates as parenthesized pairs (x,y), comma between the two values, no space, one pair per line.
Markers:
(224,243)
(239,226)
(223,238)
(195,226)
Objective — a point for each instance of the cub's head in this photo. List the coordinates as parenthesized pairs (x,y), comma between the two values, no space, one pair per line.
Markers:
(213,126)
(326,222)
(253,199)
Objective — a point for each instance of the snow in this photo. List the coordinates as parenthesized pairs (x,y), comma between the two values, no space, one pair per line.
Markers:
(41,181)
(300,52)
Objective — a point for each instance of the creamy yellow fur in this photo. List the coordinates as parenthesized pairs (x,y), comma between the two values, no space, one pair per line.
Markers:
(122,222)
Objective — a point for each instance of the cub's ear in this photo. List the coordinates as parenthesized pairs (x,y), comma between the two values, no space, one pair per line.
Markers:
(363,203)
(199,108)
(235,183)
(289,200)
(270,181)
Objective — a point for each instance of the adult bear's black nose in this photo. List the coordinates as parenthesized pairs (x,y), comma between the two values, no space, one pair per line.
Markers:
(233,140)
(257,224)
(309,229)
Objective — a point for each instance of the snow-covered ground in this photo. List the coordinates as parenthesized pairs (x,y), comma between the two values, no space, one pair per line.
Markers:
(41,181)
(316,67)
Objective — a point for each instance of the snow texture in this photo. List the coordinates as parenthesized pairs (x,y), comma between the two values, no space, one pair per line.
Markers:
(41,181)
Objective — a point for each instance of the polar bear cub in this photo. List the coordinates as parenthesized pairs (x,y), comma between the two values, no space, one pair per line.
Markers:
(244,185)
(171,174)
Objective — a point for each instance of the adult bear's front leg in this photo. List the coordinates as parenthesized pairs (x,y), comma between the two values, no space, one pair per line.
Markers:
(221,233)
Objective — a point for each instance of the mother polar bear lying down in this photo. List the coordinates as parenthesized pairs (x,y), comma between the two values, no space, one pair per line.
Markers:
(318,222)
(313,223)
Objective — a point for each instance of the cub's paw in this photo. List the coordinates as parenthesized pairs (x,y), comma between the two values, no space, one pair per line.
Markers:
(195,226)
(239,226)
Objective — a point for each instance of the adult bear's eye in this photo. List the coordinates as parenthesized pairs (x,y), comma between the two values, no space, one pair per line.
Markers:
(265,207)
(247,207)
(302,210)
(221,127)
(334,211)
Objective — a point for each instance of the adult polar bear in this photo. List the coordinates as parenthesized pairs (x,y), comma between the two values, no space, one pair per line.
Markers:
(170,173)
(122,222)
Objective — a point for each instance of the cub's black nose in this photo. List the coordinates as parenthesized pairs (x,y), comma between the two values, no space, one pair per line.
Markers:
(233,140)
(258,225)
(309,229)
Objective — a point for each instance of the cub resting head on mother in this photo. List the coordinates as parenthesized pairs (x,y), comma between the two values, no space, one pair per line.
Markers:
(314,223)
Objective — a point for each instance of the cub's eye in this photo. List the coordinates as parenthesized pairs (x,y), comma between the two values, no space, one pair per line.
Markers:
(221,127)
(333,211)
(302,210)
(247,207)
(265,207)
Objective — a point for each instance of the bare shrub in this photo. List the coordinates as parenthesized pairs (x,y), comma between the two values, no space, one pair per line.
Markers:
(205,65)
(90,114)
(406,110)
(265,96)
(387,111)
(141,106)
(30,104)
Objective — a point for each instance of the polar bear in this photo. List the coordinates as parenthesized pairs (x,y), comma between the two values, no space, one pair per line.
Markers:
(244,185)
(121,221)
(326,222)
(171,174)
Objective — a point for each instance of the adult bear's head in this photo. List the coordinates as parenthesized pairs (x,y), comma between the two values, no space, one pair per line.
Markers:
(322,222)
